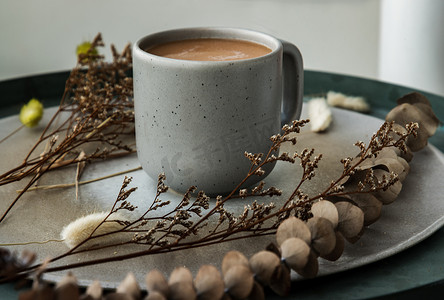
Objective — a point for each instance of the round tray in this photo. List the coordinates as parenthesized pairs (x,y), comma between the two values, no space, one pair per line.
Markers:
(407,222)
(41,215)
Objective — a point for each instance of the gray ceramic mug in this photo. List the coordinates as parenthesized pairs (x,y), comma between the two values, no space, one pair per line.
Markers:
(195,119)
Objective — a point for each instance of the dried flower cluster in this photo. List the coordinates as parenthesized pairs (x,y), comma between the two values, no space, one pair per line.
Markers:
(307,228)
(98,117)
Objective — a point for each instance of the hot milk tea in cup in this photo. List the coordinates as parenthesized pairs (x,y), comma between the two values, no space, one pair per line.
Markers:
(204,96)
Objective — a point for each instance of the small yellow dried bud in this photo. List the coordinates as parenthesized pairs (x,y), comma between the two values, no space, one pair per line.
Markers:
(84,47)
(31,113)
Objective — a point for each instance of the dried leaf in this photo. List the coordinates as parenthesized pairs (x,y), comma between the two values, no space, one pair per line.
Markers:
(351,219)
(156,282)
(293,227)
(370,206)
(295,252)
(338,250)
(209,283)
(263,264)
(327,210)
(129,286)
(239,281)
(323,237)
(233,258)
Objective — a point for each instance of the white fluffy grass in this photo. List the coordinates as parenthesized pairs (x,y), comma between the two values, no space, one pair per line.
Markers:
(319,114)
(348,102)
(80,229)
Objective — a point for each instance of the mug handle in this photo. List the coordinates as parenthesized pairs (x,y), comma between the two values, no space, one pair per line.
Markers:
(293,80)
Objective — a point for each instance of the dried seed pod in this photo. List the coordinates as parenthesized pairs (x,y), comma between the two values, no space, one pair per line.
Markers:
(263,264)
(295,252)
(389,152)
(67,279)
(323,237)
(387,159)
(129,286)
(370,205)
(257,293)
(381,178)
(420,101)
(94,290)
(180,274)
(311,268)
(392,192)
(338,250)
(226,297)
(239,281)
(155,295)
(293,227)
(280,281)
(41,291)
(398,129)
(351,219)
(327,210)
(182,290)
(209,283)
(181,284)
(392,165)
(272,247)
(405,164)
(233,258)
(67,288)
(407,154)
(155,281)
(406,113)
(118,296)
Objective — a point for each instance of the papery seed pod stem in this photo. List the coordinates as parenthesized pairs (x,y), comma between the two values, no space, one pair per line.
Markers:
(263,264)
(180,274)
(129,286)
(280,282)
(94,290)
(323,237)
(154,295)
(388,195)
(182,290)
(336,253)
(293,227)
(351,219)
(156,282)
(233,258)
(67,288)
(327,210)
(257,293)
(295,253)
(209,283)
(370,205)
(181,285)
(239,281)
(311,268)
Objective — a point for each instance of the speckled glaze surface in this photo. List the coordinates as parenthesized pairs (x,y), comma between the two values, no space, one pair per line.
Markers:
(195,118)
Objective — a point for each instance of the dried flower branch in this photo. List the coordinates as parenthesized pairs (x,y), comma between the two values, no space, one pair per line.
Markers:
(98,104)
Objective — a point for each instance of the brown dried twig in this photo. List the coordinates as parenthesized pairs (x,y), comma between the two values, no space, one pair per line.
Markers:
(97,113)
